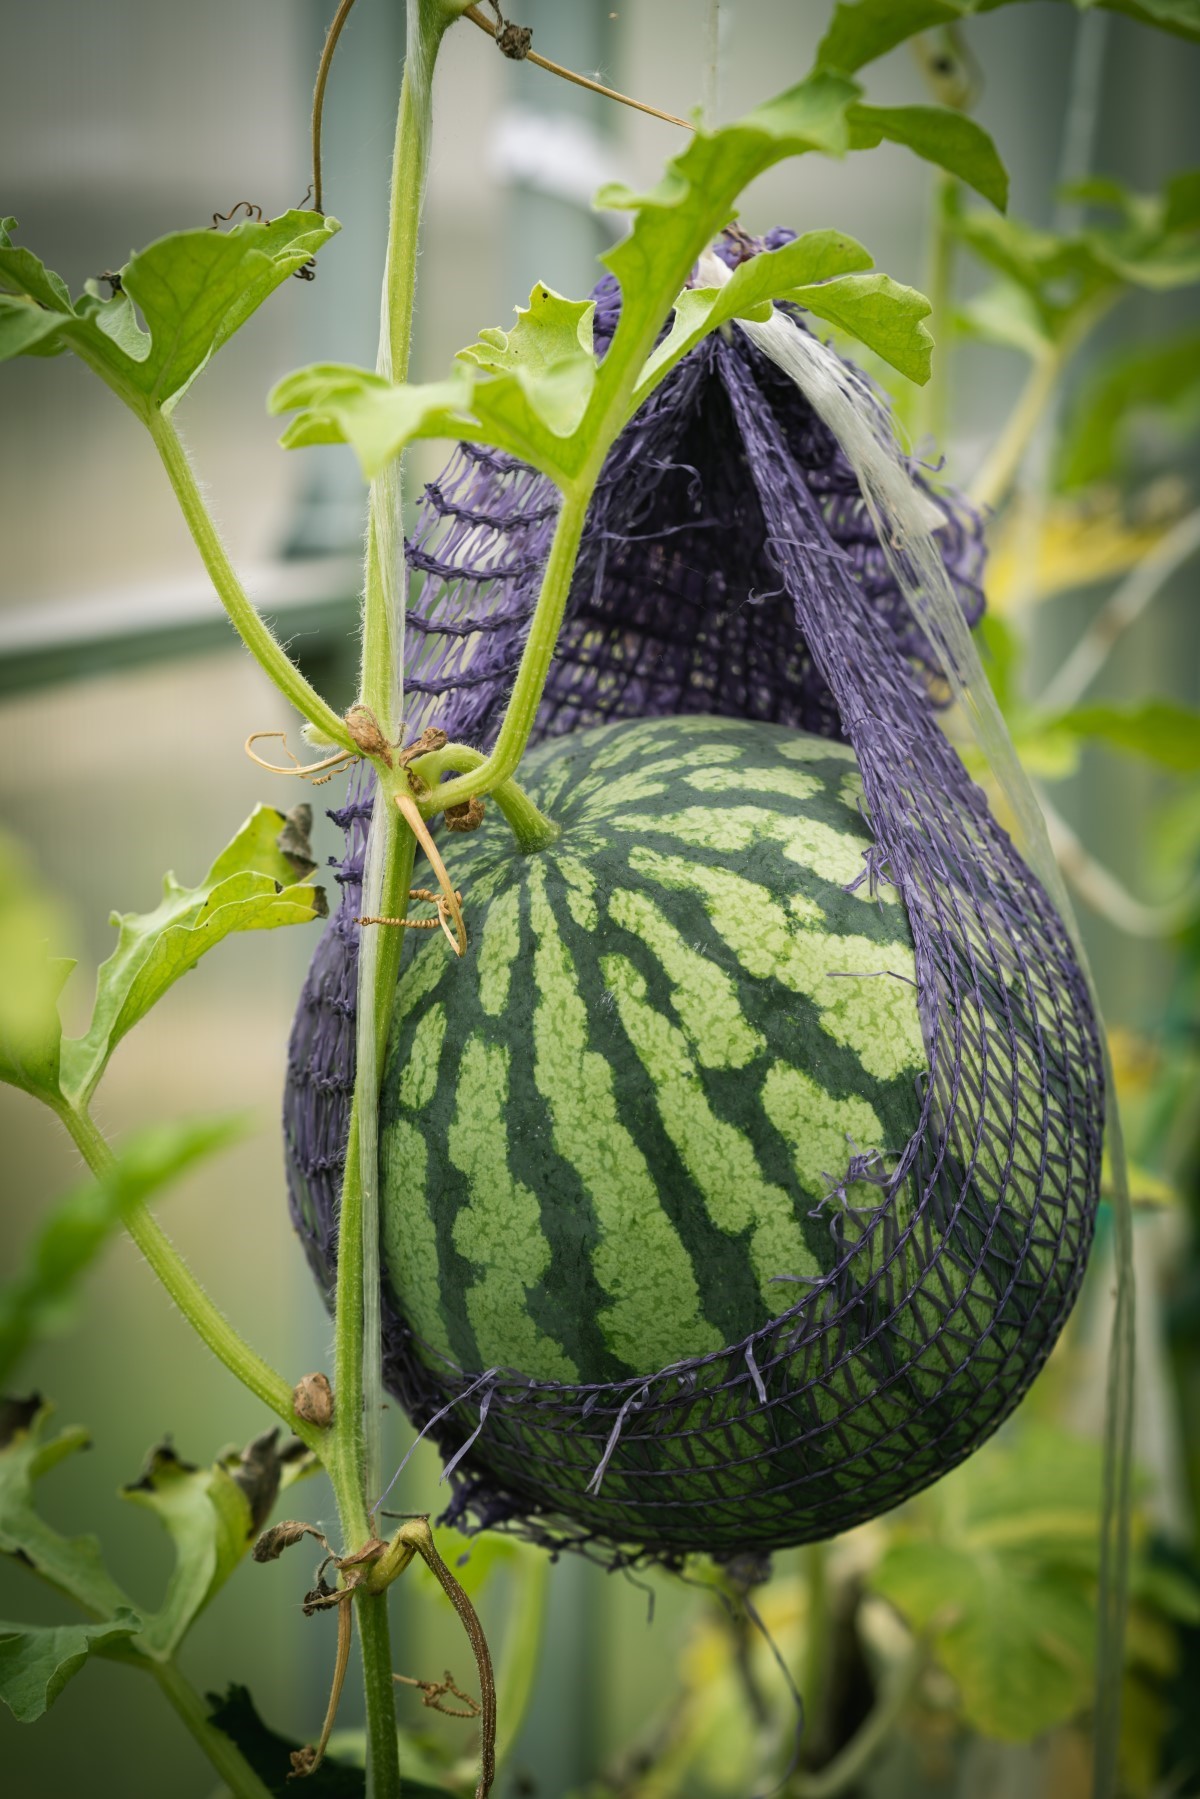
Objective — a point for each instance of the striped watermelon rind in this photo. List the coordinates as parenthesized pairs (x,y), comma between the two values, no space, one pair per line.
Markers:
(622,1136)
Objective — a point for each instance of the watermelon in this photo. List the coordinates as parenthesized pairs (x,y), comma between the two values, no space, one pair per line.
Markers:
(690,1242)
(669,1086)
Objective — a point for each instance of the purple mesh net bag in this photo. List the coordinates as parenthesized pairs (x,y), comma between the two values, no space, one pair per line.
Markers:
(730,568)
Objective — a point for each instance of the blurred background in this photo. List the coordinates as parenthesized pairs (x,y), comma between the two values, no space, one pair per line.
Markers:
(124,703)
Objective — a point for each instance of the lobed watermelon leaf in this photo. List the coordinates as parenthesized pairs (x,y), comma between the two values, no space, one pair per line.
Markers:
(174,304)
(939,135)
(250,887)
(998,1567)
(821,272)
(37,1661)
(537,392)
(208,1518)
(525,391)
(73,1565)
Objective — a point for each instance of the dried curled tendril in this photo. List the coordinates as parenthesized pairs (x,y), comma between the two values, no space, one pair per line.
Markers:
(372,1569)
(370,740)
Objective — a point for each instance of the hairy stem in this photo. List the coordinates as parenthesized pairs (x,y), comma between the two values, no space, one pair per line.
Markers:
(253,630)
(535,661)
(531,828)
(346,1454)
(209,1323)
(383,1768)
(221,1751)
(355,1455)
(383,604)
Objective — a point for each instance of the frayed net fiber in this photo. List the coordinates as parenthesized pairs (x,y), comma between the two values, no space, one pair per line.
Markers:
(733,566)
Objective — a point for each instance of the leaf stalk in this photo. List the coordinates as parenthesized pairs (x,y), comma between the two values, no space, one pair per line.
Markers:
(245,618)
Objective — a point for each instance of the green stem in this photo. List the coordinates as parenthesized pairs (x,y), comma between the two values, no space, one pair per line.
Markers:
(261,642)
(382,615)
(932,407)
(531,828)
(846,1769)
(816,1670)
(994,481)
(221,1751)
(991,485)
(522,1647)
(345,1455)
(535,662)
(210,1324)
(355,1453)
(383,1766)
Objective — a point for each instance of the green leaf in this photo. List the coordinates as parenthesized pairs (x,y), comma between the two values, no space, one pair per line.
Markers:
(1018,1645)
(523,390)
(38,1300)
(820,272)
(72,1564)
(1161,384)
(1154,243)
(940,135)
(340,403)
(881,313)
(24,325)
(1182,17)
(1030,257)
(862,30)
(676,220)
(1157,729)
(549,331)
(31,979)
(36,1662)
(209,1520)
(818,256)
(21,272)
(248,888)
(193,290)
(531,414)
(1007,315)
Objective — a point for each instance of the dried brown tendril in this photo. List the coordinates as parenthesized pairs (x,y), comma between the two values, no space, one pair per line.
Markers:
(434,1691)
